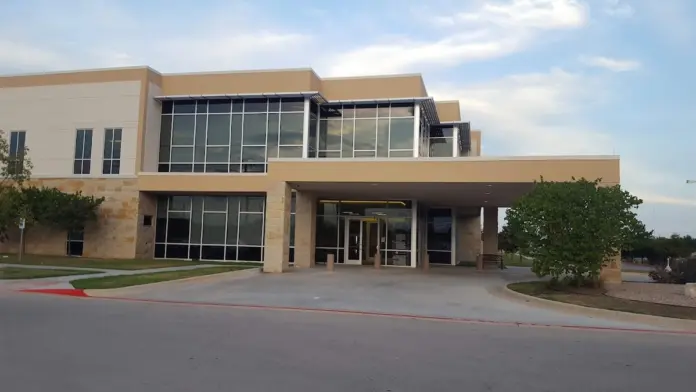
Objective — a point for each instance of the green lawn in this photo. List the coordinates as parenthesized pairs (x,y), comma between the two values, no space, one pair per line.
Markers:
(35,273)
(113,282)
(514,260)
(595,298)
(81,262)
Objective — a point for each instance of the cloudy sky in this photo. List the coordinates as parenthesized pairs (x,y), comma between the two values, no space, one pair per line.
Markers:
(537,76)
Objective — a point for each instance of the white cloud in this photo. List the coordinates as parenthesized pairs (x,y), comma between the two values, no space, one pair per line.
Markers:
(611,64)
(233,36)
(537,14)
(618,9)
(542,114)
(17,56)
(490,31)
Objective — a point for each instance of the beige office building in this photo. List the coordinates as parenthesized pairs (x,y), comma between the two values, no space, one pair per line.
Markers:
(278,166)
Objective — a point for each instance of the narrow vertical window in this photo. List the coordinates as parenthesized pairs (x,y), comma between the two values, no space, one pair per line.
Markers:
(83,152)
(17,151)
(75,243)
(112,151)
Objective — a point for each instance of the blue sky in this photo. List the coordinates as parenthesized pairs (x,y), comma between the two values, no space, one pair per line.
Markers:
(537,76)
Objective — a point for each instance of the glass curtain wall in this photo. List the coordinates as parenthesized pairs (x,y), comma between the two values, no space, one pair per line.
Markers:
(365,131)
(210,227)
(229,135)
(441,142)
(423,133)
(330,229)
(313,129)
(439,237)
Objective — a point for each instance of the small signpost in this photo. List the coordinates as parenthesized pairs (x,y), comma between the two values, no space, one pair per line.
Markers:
(22,226)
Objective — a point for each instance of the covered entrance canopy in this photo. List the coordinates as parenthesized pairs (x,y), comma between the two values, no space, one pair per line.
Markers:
(466,181)
(436,194)
(445,201)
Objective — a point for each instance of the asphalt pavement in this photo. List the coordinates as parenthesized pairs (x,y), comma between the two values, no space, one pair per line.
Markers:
(51,343)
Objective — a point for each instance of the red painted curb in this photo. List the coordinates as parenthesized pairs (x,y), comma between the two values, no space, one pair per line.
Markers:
(67,292)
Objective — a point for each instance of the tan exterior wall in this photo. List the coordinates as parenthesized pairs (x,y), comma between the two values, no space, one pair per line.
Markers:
(76,77)
(200,182)
(507,170)
(151,130)
(277,236)
(490,230)
(145,238)
(51,114)
(398,86)
(448,110)
(240,82)
(475,143)
(305,229)
(113,236)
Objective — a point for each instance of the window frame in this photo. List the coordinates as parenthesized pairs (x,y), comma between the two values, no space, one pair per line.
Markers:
(111,165)
(85,160)
(17,159)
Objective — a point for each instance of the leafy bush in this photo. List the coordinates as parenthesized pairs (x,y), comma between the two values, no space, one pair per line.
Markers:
(572,229)
(681,271)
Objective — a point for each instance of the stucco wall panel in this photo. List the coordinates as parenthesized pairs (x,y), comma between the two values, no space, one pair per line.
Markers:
(51,114)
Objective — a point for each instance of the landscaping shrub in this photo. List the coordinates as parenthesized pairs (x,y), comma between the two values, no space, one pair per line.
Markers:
(682,271)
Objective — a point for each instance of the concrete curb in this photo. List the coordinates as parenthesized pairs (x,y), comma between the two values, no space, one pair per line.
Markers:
(655,321)
(242,274)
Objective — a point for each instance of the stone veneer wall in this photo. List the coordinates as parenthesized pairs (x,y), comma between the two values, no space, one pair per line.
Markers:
(112,236)
(468,237)
(145,238)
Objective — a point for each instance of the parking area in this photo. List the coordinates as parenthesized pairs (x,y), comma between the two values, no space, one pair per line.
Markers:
(443,292)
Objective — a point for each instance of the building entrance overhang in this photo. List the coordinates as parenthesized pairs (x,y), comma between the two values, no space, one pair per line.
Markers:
(470,181)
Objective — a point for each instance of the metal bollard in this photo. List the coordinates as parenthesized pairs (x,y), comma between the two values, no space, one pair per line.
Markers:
(378,259)
(426,262)
(330,262)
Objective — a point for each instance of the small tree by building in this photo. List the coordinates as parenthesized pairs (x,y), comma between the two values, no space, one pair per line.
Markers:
(44,206)
(15,170)
(572,228)
(50,207)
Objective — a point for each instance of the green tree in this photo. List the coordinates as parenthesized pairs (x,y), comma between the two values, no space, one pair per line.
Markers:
(505,241)
(51,207)
(15,170)
(572,228)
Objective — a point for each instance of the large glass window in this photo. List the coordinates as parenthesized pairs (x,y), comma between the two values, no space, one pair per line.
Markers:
(17,151)
(229,135)
(210,227)
(441,142)
(112,151)
(440,235)
(83,151)
(365,130)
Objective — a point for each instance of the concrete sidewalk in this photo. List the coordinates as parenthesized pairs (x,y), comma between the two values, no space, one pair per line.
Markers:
(450,292)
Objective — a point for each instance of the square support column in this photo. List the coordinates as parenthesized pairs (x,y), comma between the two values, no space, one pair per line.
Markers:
(490,230)
(414,233)
(277,241)
(611,272)
(305,229)
(468,235)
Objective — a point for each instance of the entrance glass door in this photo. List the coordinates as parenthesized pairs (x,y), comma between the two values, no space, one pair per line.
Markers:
(354,241)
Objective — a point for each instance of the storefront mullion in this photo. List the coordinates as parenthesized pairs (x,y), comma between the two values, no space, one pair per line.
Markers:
(210,234)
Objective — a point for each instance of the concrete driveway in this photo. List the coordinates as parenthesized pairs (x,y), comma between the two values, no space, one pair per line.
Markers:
(443,292)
